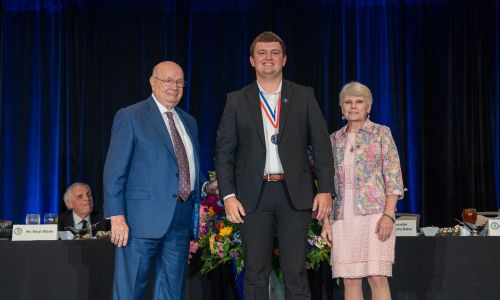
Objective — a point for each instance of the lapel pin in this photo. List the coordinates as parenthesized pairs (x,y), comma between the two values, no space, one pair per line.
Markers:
(285,100)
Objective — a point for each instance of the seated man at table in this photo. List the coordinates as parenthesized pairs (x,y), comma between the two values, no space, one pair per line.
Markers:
(80,214)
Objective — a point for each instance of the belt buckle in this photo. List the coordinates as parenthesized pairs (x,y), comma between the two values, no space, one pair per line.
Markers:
(269,178)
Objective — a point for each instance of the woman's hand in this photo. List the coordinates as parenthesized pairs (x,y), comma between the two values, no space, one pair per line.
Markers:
(385,226)
(326,232)
(322,205)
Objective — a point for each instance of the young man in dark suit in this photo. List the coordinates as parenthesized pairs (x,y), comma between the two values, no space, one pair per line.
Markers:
(263,171)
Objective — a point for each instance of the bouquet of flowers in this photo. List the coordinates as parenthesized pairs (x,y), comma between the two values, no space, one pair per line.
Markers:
(317,249)
(219,240)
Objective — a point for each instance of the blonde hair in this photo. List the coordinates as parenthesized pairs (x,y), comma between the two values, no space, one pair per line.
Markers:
(355,88)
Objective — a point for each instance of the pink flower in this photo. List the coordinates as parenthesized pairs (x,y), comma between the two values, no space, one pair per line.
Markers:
(203,228)
(203,210)
(193,246)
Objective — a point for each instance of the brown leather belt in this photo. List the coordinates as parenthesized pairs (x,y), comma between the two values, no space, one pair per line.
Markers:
(273,177)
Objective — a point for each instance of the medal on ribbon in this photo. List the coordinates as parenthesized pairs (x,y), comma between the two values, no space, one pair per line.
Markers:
(272,116)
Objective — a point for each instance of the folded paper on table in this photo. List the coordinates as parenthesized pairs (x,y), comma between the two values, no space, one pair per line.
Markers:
(65,235)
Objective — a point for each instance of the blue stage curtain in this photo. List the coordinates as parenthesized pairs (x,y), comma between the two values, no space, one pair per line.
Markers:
(433,66)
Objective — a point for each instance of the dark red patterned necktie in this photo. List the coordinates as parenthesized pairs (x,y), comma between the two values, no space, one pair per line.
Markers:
(182,160)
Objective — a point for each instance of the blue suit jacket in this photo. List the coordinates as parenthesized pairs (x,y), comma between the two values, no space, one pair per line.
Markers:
(140,174)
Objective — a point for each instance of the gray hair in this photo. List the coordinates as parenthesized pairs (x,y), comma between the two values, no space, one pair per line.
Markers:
(67,195)
(153,73)
(355,88)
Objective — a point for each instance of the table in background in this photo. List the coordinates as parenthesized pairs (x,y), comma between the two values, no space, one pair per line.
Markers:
(56,269)
(446,268)
(426,268)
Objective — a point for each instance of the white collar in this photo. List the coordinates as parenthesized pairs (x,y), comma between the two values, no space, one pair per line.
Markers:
(77,219)
(162,108)
(278,90)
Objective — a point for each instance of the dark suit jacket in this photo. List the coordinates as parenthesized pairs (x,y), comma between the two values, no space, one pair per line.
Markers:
(66,219)
(141,179)
(241,153)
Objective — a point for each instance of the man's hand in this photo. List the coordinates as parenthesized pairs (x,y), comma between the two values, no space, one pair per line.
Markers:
(326,232)
(322,205)
(384,228)
(119,231)
(234,210)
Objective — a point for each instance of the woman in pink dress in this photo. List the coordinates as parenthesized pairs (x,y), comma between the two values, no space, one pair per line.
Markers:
(368,184)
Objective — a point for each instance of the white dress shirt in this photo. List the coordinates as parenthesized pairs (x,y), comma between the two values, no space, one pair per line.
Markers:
(77,220)
(273,162)
(186,140)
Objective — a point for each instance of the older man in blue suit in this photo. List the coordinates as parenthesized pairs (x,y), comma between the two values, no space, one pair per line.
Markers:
(151,179)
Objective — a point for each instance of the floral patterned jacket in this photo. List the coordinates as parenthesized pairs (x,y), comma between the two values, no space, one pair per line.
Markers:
(377,169)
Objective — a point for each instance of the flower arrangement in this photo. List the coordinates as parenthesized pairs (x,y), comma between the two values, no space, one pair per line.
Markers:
(219,240)
(317,249)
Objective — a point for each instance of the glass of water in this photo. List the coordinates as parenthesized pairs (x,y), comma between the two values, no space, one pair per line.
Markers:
(50,218)
(32,219)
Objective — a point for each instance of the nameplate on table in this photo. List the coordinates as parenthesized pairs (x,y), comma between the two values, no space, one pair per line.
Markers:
(406,227)
(45,232)
(494,227)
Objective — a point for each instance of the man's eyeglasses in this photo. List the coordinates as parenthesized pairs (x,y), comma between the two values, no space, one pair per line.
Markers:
(170,82)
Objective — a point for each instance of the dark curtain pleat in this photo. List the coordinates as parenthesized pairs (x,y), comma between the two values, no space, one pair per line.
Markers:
(433,67)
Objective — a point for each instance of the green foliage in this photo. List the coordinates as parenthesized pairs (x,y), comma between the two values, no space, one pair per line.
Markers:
(219,240)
